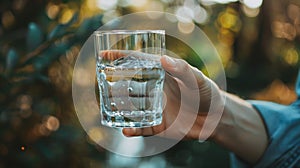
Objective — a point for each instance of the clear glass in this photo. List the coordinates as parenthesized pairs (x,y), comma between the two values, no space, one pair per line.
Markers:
(130,77)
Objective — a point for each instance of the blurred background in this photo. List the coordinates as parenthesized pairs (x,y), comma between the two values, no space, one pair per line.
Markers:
(258,42)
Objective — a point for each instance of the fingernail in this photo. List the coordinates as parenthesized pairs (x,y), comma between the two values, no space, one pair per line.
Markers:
(129,132)
(170,61)
(133,131)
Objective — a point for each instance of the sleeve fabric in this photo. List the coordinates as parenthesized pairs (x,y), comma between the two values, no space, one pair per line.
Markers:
(283,128)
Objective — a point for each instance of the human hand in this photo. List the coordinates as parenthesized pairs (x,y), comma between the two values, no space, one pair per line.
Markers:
(189,95)
(184,86)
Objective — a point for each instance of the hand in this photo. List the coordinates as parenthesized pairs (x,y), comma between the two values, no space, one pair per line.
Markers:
(184,113)
(195,109)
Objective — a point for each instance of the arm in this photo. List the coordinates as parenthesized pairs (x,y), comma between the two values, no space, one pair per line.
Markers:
(241,130)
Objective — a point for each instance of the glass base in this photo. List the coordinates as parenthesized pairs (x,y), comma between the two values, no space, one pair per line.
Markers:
(135,119)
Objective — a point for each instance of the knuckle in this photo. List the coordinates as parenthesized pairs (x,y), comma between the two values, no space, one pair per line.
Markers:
(183,66)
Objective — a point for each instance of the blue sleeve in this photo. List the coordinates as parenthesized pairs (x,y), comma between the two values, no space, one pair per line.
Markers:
(283,128)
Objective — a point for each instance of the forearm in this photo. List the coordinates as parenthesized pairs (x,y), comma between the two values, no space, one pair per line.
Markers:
(241,130)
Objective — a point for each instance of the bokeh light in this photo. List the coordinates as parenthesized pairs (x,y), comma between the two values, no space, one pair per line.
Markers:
(186,27)
(106,5)
(210,2)
(252,3)
(66,15)
(184,14)
(7,19)
(52,11)
(285,30)
(51,123)
(291,56)
(200,15)
(23,148)
(250,12)
(293,12)
(229,19)
(253,37)
(138,3)
(155,6)
(277,92)
(25,103)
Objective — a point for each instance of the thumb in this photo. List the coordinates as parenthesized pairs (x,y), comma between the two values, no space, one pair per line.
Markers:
(180,69)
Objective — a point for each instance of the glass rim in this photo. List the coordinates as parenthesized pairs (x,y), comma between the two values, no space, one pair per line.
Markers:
(99,32)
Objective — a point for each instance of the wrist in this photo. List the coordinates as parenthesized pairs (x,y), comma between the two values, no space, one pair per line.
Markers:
(241,130)
(211,118)
(225,122)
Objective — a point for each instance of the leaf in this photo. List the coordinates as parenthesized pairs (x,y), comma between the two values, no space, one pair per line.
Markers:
(12,59)
(61,29)
(41,62)
(89,25)
(34,36)
(53,52)
(73,19)
(97,21)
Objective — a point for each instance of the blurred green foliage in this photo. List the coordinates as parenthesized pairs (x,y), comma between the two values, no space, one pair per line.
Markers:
(38,125)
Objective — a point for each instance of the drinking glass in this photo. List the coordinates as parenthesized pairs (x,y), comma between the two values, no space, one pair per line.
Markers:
(130,77)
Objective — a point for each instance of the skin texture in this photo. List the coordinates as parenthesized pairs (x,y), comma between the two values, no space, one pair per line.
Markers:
(240,129)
